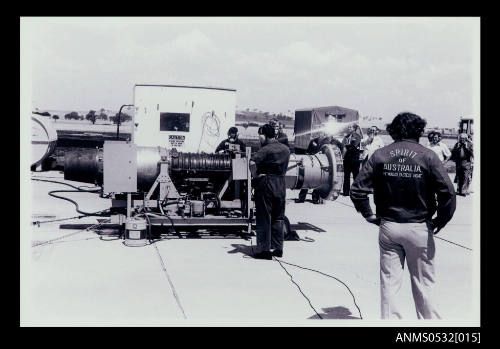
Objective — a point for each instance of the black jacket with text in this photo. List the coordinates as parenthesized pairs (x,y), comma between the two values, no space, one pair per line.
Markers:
(409,185)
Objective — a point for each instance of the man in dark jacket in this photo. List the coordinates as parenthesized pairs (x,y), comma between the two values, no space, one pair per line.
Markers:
(462,154)
(278,130)
(351,156)
(406,179)
(269,166)
(232,145)
(232,138)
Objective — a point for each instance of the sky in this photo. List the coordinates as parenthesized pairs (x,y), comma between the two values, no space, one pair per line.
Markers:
(379,66)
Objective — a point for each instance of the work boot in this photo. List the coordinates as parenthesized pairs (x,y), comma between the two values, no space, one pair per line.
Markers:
(263,255)
(278,253)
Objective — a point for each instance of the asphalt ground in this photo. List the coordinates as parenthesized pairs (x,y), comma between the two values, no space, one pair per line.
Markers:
(86,277)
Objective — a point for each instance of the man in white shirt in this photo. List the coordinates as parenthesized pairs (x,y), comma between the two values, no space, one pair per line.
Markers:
(441,149)
(371,143)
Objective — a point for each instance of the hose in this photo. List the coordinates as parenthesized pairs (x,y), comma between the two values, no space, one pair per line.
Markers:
(149,227)
(67,184)
(103,213)
(77,190)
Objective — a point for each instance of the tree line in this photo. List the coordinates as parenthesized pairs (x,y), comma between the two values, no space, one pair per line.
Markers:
(91,116)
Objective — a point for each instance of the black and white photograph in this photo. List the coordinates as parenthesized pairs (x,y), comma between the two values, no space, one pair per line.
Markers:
(250,171)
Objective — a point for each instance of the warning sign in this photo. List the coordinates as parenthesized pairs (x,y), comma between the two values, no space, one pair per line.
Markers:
(176,141)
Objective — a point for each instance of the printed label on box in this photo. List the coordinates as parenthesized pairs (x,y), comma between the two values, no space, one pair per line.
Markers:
(176,140)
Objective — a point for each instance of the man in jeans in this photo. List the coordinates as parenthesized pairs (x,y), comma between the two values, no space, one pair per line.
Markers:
(409,186)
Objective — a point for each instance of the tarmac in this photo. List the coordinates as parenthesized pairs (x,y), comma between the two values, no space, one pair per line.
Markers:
(85,277)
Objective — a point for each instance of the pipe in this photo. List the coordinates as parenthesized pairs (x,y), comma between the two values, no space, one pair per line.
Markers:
(119,119)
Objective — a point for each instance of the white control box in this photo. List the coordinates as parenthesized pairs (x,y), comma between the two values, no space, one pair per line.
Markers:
(187,118)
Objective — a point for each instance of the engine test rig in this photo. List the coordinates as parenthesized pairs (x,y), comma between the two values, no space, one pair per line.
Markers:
(160,186)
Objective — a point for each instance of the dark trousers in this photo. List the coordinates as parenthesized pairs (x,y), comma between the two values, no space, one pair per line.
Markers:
(303,195)
(270,193)
(464,177)
(350,166)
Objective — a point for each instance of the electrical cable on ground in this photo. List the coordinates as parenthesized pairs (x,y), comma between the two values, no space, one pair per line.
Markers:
(77,240)
(67,235)
(77,190)
(69,185)
(164,215)
(170,281)
(291,279)
(307,239)
(103,213)
(437,237)
(451,242)
(57,220)
(333,277)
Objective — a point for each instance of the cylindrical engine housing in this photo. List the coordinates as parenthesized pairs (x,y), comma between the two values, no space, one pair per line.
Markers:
(322,171)
(83,165)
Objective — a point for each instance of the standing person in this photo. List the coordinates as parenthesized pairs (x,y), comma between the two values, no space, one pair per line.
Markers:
(438,147)
(351,152)
(430,136)
(371,143)
(234,190)
(463,156)
(409,185)
(269,164)
(232,138)
(278,130)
